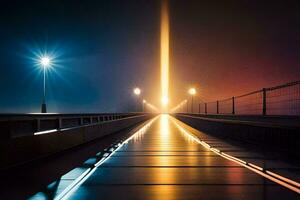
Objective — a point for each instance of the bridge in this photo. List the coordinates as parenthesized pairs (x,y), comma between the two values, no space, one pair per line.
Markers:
(149,156)
(119,132)
(181,154)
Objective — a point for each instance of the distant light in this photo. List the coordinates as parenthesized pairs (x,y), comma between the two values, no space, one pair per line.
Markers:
(144,101)
(192,91)
(164,100)
(137,91)
(45,61)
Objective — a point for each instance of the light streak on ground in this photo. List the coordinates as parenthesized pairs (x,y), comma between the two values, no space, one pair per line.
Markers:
(152,107)
(179,106)
(164,53)
(65,194)
(283,181)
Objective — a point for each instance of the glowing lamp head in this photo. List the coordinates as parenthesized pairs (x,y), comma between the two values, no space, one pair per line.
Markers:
(165,100)
(45,61)
(137,91)
(192,91)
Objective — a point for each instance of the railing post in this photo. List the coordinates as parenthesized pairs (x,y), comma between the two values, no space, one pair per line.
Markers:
(206,108)
(38,125)
(199,108)
(264,101)
(217,107)
(59,123)
(233,106)
(187,107)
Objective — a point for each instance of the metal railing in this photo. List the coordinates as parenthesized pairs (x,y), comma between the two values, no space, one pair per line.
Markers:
(17,125)
(279,100)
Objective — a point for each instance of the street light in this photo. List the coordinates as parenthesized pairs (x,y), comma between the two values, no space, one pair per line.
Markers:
(192,92)
(45,62)
(137,92)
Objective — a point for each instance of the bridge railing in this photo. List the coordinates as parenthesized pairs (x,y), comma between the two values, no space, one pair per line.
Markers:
(18,125)
(279,100)
(225,106)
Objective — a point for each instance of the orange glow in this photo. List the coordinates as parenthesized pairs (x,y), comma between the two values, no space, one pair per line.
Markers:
(164,53)
(234,158)
(192,91)
(283,178)
(164,100)
(256,167)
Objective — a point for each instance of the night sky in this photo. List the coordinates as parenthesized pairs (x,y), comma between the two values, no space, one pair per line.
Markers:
(105,48)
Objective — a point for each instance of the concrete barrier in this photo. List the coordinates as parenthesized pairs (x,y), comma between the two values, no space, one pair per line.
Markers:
(19,125)
(22,149)
(281,138)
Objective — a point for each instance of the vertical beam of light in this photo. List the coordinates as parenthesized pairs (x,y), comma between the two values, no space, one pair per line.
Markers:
(164,53)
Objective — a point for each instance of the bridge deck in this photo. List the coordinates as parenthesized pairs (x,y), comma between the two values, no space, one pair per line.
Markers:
(163,162)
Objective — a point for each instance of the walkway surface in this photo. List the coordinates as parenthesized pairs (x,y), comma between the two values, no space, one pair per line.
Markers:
(165,162)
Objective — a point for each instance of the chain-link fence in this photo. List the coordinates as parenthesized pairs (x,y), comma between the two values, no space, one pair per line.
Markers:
(278,100)
(202,108)
(283,100)
(225,106)
(250,103)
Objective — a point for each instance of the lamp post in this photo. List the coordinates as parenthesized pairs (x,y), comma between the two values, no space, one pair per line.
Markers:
(144,102)
(187,106)
(137,93)
(45,62)
(192,92)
